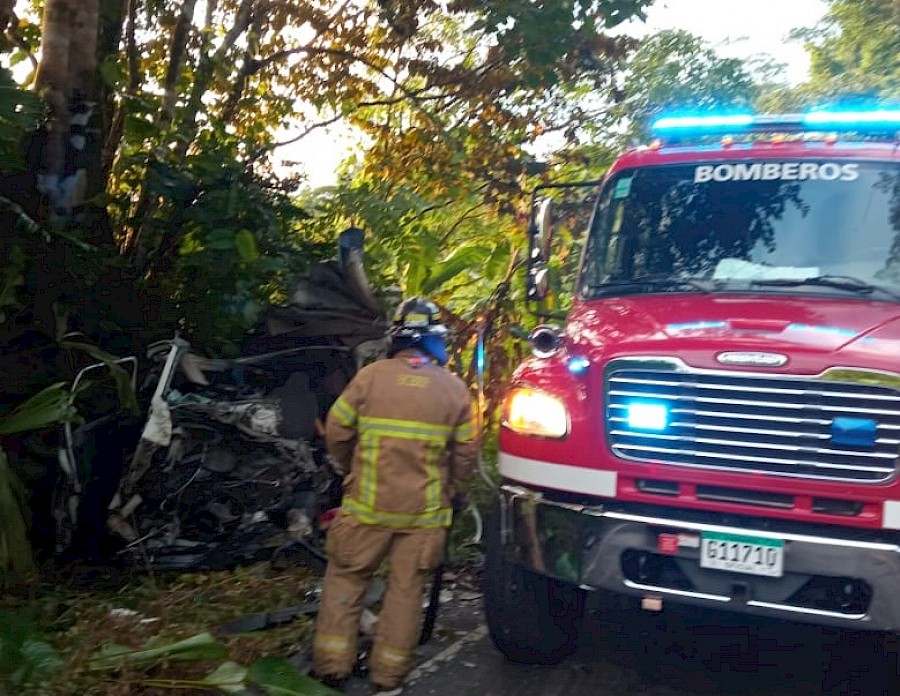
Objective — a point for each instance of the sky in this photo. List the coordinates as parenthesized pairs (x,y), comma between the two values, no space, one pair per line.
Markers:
(734,28)
(740,28)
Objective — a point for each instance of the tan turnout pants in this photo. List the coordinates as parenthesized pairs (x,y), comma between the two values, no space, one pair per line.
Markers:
(355,552)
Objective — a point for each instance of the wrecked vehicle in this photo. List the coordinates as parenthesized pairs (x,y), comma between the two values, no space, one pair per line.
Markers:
(229,463)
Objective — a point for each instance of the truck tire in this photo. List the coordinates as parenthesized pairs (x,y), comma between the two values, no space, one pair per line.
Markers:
(531,619)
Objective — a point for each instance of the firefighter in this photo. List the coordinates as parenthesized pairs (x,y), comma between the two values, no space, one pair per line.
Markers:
(402,435)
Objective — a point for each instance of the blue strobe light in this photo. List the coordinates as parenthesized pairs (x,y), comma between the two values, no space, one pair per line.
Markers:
(578,366)
(646,416)
(705,124)
(874,120)
(862,120)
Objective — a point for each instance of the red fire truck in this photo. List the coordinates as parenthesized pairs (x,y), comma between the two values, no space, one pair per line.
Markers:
(717,423)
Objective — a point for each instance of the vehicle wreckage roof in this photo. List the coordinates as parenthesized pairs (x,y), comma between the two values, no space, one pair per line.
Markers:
(330,302)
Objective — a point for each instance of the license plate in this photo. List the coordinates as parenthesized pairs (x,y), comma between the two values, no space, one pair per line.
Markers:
(742,554)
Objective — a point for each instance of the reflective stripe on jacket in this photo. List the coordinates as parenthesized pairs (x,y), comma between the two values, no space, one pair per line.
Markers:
(403,430)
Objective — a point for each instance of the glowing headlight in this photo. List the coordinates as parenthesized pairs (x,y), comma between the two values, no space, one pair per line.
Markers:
(532,412)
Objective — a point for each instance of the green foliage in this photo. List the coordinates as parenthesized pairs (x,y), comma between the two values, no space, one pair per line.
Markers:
(26,659)
(222,244)
(675,71)
(278,677)
(855,50)
(530,31)
(121,377)
(448,95)
(274,675)
(15,549)
(52,405)
(20,112)
(196,648)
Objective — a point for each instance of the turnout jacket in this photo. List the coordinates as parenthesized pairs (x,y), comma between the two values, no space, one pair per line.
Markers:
(403,434)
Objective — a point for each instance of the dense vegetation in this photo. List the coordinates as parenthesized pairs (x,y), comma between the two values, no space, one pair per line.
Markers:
(142,193)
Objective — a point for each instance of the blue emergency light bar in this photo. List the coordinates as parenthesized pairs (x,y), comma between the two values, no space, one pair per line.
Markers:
(870,121)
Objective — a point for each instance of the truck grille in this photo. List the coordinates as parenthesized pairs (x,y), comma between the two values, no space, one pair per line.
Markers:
(754,423)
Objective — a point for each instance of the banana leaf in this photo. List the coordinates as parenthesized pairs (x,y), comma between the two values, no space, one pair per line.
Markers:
(229,677)
(278,677)
(55,404)
(196,648)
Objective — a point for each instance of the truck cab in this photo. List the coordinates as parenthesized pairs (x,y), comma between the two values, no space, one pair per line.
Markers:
(717,421)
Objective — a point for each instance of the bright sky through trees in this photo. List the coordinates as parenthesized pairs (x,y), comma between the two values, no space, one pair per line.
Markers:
(740,29)
(735,28)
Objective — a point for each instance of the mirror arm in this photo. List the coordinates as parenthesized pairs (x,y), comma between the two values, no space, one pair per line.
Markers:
(539,241)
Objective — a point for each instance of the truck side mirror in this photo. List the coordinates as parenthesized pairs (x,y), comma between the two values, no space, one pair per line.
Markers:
(540,236)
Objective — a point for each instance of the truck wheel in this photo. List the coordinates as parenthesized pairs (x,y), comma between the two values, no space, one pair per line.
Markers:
(532,619)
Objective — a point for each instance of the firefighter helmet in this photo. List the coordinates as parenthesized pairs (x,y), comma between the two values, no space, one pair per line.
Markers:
(417,324)
(417,317)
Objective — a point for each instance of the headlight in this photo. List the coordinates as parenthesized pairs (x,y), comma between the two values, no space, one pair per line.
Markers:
(533,412)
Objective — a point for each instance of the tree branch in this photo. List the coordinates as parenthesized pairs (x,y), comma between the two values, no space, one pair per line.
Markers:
(177,58)
(203,77)
(320,124)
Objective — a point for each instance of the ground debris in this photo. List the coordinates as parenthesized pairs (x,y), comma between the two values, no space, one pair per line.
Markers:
(156,611)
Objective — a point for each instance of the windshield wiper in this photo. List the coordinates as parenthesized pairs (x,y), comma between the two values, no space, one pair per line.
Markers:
(652,283)
(841,282)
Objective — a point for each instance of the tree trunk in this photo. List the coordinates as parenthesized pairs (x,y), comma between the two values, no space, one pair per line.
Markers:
(84,33)
(53,80)
(66,76)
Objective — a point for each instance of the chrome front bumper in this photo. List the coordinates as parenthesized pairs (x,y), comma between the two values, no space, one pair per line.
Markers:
(827,578)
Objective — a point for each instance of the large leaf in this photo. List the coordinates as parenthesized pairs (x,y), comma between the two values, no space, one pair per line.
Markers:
(230,677)
(459,260)
(41,656)
(245,243)
(199,647)
(51,405)
(278,677)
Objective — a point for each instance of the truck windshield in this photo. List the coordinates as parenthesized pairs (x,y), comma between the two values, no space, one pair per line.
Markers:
(820,227)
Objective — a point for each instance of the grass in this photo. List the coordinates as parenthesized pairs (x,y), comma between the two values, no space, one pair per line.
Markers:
(136,611)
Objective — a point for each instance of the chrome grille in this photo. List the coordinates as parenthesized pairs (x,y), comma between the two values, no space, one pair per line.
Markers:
(753,423)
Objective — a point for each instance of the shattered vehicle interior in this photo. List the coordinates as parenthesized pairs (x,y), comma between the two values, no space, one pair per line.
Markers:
(227,462)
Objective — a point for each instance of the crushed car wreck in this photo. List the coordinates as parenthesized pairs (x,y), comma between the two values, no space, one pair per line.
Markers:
(229,464)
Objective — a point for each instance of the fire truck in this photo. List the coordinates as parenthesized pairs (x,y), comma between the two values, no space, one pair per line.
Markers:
(717,420)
